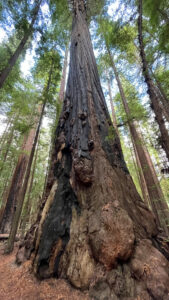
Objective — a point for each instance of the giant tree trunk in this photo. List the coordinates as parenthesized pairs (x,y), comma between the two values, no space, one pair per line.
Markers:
(157,201)
(164,139)
(5,73)
(95,231)
(16,183)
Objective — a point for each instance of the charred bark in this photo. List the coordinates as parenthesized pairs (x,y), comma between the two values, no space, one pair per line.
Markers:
(94,229)
(63,79)
(164,139)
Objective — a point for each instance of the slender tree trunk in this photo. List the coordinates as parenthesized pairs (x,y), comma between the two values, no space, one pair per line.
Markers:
(16,183)
(163,97)
(142,181)
(7,145)
(5,73)
(158,204)
(27,206)
(21,196)
(164,139)
(94,230)
(4,135)
(112,107)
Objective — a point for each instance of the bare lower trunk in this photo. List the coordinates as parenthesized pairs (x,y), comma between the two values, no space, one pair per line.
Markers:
(5,73)
(94,230)
(164,139)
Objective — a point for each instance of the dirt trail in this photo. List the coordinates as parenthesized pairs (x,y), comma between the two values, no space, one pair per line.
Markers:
(18,283)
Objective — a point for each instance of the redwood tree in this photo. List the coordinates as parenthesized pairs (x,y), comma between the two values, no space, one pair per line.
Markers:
(94,229)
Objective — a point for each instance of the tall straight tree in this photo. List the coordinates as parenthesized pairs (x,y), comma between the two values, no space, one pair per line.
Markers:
(94,229)
(164,139)
(6,71)
(16,182)
(158,204)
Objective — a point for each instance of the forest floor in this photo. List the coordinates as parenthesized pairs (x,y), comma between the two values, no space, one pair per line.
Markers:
(18,283)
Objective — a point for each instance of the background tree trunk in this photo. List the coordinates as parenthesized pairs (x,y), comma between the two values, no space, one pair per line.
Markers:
(158,203)
(164,140)
(16,183)
(94,230)
(5,73)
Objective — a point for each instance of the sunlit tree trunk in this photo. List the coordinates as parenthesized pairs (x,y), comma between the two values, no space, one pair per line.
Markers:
(94,230)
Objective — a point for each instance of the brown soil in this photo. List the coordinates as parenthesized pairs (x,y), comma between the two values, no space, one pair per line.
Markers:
(18,283)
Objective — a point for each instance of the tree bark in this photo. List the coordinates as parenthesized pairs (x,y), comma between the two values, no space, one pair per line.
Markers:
(16,183)
(63,79)
(164,139)
(158,203)
(5,73)
(27,206)
(21,196)
(94,230)
(142,181)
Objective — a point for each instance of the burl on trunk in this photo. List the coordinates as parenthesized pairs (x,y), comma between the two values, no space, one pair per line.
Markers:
(94,229)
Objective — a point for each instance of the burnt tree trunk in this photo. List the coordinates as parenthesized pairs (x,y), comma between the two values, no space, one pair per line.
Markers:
(94,230)
(5,73)
(63,79)
(155,101)
(157,201)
